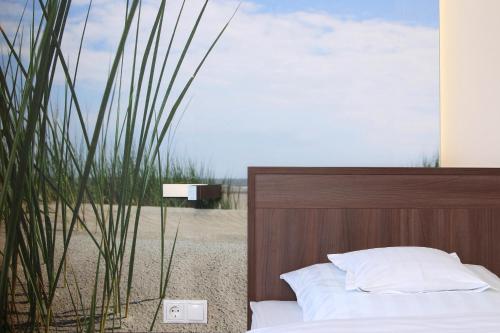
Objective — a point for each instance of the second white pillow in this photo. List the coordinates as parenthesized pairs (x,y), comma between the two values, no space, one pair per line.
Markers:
(405,270)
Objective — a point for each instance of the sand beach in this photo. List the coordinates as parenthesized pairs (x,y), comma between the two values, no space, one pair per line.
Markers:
(209,263)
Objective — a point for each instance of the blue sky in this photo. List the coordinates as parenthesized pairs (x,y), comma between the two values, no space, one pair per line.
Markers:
(292,83)
(352,83)
(417,12)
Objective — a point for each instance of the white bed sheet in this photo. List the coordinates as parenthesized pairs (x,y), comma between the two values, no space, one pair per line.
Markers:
(479,323)
(269,314)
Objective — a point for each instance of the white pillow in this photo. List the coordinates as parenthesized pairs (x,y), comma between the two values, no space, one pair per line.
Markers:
(321,294)
(315,285)
(405,270)
(274,313)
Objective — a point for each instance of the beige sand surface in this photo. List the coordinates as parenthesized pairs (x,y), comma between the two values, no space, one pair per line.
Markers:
(209,263)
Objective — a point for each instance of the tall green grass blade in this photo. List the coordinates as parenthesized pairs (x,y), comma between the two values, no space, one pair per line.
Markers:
(97,129)
(51,183)
(167,277)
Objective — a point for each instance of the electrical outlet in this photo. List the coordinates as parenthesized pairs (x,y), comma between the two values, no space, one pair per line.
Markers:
(184,311)
(175,311)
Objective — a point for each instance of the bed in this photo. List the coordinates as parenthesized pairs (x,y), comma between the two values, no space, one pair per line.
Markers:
(296,216)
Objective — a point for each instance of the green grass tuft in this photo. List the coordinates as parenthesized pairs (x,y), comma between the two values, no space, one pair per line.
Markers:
(46,178)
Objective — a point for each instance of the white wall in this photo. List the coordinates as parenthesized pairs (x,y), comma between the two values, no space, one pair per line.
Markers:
(470,83)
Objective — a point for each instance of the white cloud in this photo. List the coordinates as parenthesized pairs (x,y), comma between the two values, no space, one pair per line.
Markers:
(299,88)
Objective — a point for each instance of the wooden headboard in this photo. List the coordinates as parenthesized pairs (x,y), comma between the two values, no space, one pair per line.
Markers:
(296,216)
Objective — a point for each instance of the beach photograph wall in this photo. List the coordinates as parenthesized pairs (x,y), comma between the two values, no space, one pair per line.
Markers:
(127,129)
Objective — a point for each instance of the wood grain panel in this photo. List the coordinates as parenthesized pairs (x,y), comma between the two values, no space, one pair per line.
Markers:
(428,227)
(375,191)
(296,216)
(280,228)
(494,243)
(369,228)
(464,231)
(289,239)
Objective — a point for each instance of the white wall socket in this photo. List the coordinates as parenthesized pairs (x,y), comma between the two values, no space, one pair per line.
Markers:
(184,311)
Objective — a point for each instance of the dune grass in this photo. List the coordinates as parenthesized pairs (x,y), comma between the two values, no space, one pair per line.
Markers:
(176,171)
(430,162)
(46,177)
(427,161)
